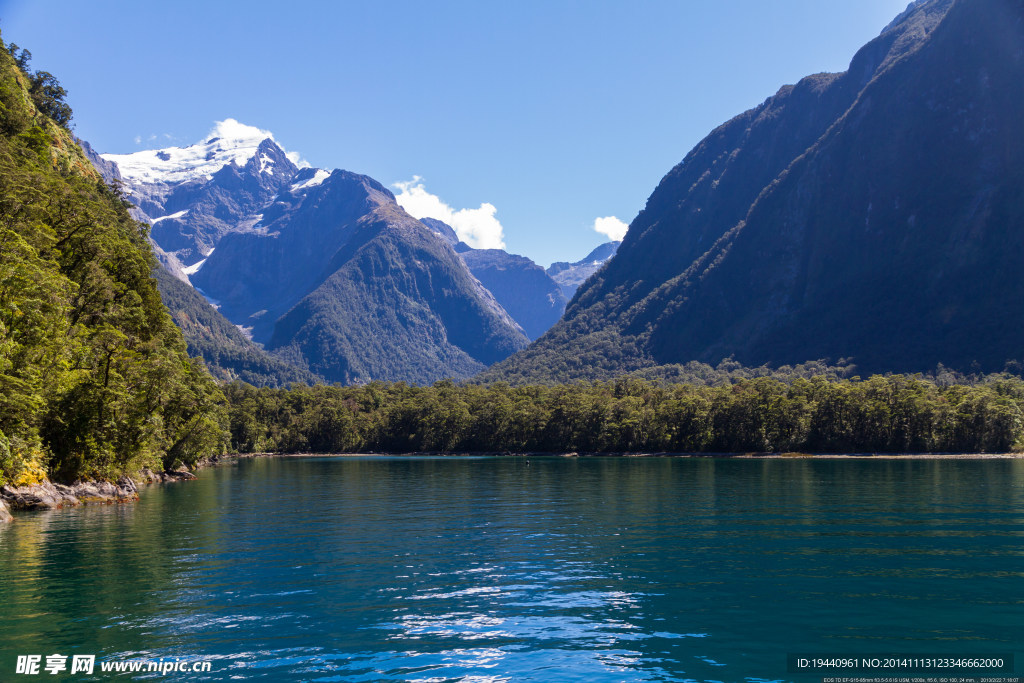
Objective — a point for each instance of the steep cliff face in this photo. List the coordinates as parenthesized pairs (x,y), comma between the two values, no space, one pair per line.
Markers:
(256,275)
(198,213)
(873,215)
(227,352)
(522,287)
(893,240)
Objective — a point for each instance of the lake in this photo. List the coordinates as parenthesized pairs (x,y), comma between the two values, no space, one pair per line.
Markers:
(524,569)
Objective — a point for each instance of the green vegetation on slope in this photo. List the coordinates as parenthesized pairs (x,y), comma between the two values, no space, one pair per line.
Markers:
(882,414)
(228,354)
(94,378)
(398,304)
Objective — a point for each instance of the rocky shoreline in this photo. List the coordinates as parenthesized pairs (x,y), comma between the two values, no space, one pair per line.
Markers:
(47,495)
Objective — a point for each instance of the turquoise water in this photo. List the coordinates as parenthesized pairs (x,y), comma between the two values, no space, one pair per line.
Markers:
(546,569)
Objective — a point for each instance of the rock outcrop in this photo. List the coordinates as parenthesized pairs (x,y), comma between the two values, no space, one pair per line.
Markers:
(50,496)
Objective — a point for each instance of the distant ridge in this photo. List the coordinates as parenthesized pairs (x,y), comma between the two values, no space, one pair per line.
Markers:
(570,276)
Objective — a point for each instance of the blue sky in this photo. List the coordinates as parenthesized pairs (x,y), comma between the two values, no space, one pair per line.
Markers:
(553,113)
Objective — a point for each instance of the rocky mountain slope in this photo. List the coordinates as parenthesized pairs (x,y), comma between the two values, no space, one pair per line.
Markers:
(227,352)
(873,215)
(192,196)
(522,287)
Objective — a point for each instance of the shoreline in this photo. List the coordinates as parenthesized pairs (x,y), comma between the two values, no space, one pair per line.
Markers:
(693,456)
(50,496)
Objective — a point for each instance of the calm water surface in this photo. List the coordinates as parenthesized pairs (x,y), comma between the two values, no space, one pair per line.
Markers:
(547,569)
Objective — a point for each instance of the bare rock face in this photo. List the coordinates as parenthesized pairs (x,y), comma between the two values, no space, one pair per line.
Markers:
(44,496)
(5,515)
(148,476)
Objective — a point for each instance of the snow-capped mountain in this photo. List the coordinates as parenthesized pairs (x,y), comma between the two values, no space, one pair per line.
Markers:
(193,196)
(230,142)
(570,276)
(323,268)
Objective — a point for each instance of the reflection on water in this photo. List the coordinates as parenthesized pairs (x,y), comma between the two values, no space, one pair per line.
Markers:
(552,569)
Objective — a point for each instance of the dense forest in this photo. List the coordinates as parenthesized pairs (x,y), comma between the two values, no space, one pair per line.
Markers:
(897,413)
(94,376)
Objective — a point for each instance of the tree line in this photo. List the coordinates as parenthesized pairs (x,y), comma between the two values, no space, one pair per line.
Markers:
(892,414)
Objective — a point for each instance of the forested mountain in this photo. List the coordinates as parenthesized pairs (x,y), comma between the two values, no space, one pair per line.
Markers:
(323,269)
(341,281)
(873,215)
(94,377)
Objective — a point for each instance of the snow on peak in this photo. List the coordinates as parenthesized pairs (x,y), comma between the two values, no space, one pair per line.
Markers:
(228,142)
(266,164)
(316,179)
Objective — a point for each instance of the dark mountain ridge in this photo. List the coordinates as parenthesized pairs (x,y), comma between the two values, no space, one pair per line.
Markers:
(522,288)
(519,285)
(258,274)
(873,215)
(400,305)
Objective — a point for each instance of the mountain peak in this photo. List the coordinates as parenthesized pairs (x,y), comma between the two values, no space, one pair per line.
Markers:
(229,142)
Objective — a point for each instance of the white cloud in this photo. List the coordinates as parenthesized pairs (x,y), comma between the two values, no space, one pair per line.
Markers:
(479,228)
(612,227)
